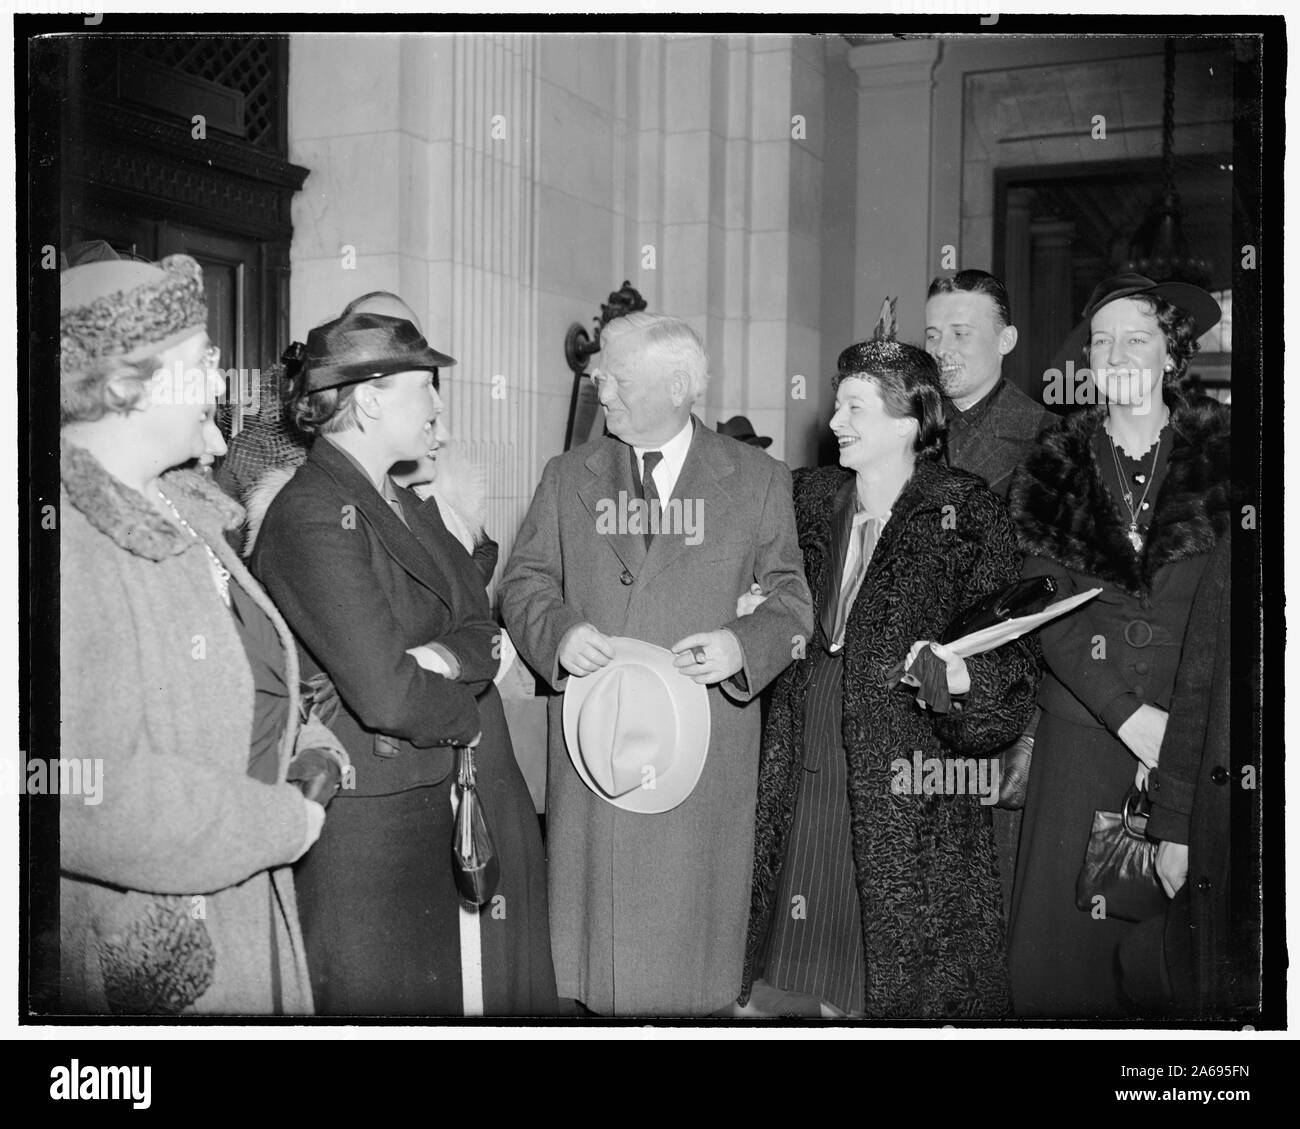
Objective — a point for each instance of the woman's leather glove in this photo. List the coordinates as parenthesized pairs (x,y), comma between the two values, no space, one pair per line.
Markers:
(320,765)
(317,774)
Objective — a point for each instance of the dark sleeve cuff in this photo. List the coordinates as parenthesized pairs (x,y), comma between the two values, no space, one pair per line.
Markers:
(1119,710)
(1171,806)
(449,658)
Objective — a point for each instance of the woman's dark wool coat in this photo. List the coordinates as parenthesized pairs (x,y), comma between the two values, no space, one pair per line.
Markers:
(927,874)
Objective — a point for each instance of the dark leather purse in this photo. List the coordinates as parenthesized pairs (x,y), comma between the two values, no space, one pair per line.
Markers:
(1120,866)
(474,861)
(1024,597)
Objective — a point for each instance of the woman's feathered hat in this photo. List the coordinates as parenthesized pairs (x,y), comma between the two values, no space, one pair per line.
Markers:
(882,353)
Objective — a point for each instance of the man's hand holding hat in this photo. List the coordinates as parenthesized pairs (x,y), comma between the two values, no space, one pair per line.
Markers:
(584,650)
(708,656)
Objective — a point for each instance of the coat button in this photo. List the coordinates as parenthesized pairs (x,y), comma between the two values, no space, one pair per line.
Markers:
(1141,667)
(626,578)
(1137,633)
(1202,884)
(1138,691)
(1219,774)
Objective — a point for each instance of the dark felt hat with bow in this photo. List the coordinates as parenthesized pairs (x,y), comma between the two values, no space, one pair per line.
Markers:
(361,346)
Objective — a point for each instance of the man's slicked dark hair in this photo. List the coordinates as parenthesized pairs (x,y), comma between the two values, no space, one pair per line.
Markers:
(977,282)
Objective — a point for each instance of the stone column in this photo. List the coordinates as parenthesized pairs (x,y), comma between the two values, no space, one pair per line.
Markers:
(1018,256)
(894,256)
(423,182)
(1053,301)
(481,262)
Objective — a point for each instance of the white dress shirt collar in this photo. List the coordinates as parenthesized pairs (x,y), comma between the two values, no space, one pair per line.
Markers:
(674,458)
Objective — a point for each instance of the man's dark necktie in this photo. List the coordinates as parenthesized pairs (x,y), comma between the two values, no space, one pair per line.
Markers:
(649,490)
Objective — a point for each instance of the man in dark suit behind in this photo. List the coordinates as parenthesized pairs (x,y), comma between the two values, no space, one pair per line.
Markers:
(992,424)
(649,912)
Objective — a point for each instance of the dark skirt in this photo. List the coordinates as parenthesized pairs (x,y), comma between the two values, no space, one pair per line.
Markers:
(380,911)
(1063,958)
(814,944)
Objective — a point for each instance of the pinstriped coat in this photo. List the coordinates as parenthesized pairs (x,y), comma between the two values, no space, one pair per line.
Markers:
(648,912)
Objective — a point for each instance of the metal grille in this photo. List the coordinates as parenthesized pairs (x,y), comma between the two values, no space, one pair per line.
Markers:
(246,65)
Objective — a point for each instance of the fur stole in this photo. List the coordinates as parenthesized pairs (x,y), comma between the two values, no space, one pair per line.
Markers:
(127,517)
(1065,513)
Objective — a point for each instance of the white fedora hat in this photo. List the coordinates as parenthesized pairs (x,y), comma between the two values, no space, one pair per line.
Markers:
(638,729)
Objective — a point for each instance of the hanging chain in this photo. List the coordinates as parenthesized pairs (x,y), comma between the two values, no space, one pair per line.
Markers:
(1167,139)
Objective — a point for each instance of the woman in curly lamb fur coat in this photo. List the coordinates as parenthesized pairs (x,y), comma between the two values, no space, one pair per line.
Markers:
(1110,664)
(175,889)
(868,896)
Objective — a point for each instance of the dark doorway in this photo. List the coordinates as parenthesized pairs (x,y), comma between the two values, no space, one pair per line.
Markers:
(1060,230)
(179,145)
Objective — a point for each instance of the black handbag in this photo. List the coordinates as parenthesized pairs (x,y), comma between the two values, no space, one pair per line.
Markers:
(474,861)
(1024,597)
(1120,866)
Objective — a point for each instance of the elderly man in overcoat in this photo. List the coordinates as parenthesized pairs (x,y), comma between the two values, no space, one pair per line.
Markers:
(649,912)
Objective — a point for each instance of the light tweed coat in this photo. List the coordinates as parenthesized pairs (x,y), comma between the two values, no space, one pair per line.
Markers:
(154,680)
(648,912)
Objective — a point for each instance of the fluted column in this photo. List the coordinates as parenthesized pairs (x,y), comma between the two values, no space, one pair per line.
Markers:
(895,85)
(482,266)
(1053,302)
(1018,257)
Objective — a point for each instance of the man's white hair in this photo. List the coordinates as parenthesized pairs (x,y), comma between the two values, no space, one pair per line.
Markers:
(677,346)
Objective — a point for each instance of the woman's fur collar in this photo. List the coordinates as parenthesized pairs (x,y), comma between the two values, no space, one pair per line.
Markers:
(1065,513)
(460,485)
(126,517)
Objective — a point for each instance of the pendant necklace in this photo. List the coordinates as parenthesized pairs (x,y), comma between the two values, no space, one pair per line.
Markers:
(1132,533)
(220,573)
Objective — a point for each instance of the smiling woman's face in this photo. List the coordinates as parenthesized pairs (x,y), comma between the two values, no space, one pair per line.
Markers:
(175,423)
(865,432)
(1127,352)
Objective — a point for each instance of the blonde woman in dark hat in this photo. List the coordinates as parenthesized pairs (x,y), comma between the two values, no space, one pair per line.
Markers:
(388,605)
(177,676)
(1131,496)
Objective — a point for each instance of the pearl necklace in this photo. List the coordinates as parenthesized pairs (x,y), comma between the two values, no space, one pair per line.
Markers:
(220,573)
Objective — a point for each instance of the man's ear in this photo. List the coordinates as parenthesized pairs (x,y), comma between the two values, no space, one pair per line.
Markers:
(680,388)
(1007,340)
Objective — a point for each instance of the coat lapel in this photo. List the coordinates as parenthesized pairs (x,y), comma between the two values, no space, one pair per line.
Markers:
(841,524)
(400,543)
(704,482)
(606,495)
